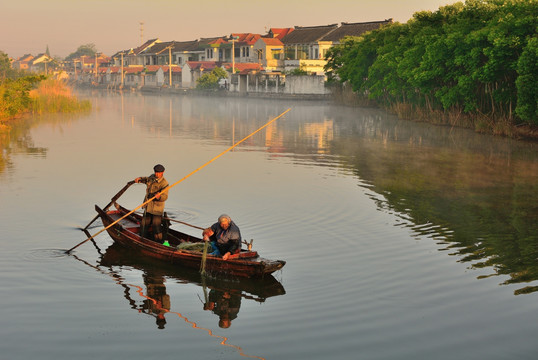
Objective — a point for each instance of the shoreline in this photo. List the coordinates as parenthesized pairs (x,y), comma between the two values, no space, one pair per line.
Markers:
(522,132)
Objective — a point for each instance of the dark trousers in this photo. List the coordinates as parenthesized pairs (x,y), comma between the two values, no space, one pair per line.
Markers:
(155,222)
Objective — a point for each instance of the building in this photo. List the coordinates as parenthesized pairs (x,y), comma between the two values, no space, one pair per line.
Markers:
(306,47)
(270,53)
(193,70)
(184,51)
(23,63)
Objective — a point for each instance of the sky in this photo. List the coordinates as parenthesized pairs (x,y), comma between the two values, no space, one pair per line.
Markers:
(29,26)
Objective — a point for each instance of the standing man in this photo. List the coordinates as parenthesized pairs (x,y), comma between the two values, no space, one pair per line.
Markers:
(225,237)
(153,211)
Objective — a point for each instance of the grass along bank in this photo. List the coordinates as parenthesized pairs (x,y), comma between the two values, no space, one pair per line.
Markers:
(55,96)
(46,96)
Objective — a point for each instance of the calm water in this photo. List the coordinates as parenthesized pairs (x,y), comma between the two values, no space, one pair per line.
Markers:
(402,240)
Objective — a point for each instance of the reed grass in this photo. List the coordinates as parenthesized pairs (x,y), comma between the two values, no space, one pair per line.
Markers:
(483,123)
(53,96)
(50,96)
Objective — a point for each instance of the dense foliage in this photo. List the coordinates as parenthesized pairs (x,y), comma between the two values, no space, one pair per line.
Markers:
(15,95)
(211,80)
(478,58)
(22,92)
(83,50)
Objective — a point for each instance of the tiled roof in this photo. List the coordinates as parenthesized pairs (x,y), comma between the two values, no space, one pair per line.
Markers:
(86,59)
(207,41)
(145,45)
(272,41)
(193,45)
(243,68)
(175,69)
(246,38)
(133,69)
(218,41)
(124,52)
(279,33)
(152,68)
(160,48)
(206,65)
(40,58)
(308,34)
(354,29)
(26,57)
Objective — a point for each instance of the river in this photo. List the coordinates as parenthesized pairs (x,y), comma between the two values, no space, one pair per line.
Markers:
(403,240)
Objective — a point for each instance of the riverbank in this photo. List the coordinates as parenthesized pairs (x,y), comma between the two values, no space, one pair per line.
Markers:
(49,96)
(213,93)
(481,123)
(339,95)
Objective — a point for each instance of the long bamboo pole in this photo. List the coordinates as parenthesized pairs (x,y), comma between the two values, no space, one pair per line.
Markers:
(180,180)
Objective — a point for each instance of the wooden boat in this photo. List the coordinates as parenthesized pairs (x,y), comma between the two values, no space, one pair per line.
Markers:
(250,288)
(127,233)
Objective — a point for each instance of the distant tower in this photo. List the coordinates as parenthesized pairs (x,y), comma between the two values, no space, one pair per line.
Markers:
(141,32)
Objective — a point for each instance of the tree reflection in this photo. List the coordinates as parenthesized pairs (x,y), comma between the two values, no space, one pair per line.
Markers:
(17,139)
(476,195)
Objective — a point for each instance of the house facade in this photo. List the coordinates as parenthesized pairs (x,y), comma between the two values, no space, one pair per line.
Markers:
(193,70)
(305,48)
(23,63)
(184,51)
(134,57)
(270,53)
(134,76)
(272,57)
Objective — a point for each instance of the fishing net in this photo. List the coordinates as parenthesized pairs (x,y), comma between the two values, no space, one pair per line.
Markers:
(198,246)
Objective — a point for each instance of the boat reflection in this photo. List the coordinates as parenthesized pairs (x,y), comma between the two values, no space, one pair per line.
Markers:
(221,296)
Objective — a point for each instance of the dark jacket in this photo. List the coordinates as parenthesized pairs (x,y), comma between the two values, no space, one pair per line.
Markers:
(227,240)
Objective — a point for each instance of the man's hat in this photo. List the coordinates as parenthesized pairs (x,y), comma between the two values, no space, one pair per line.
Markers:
(158,168)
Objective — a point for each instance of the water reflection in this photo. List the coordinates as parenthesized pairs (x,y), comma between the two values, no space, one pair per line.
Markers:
(474,194)
(15,141)
(18,140)
(221,297)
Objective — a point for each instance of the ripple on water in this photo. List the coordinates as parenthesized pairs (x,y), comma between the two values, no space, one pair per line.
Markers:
(34,255)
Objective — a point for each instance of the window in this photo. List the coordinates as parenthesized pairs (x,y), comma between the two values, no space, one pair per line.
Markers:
(302,52)
(290,53)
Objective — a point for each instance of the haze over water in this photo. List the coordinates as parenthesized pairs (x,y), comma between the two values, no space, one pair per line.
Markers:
(402,240)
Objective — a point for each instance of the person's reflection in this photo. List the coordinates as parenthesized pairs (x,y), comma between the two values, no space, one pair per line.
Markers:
(159,301)
(225,304)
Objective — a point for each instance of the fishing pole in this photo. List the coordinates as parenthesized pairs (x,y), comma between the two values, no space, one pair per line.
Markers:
(180,180)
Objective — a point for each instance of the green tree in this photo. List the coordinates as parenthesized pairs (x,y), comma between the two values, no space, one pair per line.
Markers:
(211,80)
(15,95)
(462,58)
(83,50)
(5,67)
(527,83)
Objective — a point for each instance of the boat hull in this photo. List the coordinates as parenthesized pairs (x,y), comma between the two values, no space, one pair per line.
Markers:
(126,233)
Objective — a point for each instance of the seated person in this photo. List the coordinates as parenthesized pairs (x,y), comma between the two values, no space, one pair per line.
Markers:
(225,237)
